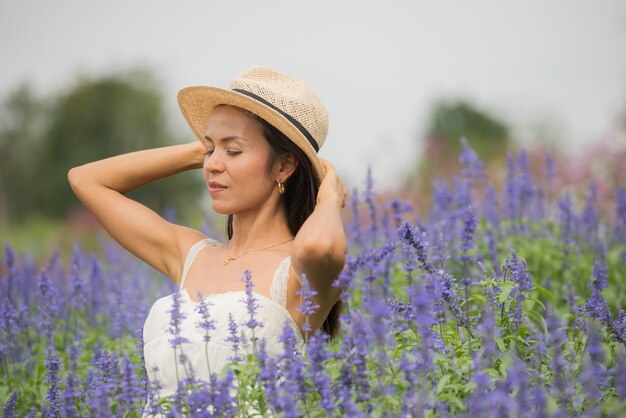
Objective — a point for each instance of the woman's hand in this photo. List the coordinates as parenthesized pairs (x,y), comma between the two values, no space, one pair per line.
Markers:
(331,187)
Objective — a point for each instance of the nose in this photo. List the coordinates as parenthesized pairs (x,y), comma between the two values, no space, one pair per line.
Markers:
(213,163)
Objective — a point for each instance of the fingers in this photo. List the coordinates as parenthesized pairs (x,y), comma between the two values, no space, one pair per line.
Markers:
(336,184)
(327,166)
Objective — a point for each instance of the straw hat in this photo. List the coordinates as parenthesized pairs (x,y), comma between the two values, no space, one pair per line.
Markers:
(284,101)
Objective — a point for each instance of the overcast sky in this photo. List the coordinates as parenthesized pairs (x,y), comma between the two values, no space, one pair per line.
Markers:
(377,65)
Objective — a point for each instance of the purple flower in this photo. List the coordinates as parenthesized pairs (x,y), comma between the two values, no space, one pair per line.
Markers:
(600,278)
(620,215)
(473,167)
(128,386)
(442,202)
(48,307)
(566,217)
(511,194)
(207,324)
(8,410)
(490,207)
(470,221)
(399,207)
(355,234)
(53,397)
(176,317)
(308,306)
(252,303)
(620,377)
(232,338)
(410,235)
(143,386)
(590,216)
(525,187)
(318,354)
(372,206)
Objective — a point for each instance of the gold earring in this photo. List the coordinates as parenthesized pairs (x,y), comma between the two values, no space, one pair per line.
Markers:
(281,187)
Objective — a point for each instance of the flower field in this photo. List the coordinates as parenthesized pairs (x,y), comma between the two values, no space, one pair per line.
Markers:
(504,302)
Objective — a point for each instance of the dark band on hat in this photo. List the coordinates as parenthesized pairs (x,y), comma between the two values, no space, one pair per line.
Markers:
(290,118)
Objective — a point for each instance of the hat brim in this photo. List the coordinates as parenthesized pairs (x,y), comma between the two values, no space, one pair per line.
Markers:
(198,102)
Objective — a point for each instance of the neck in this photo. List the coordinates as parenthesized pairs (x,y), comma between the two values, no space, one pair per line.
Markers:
(264,227)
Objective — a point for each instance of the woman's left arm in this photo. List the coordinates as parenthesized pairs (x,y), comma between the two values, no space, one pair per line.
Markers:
(319,248)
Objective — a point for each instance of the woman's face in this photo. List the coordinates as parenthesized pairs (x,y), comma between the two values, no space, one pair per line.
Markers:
(235,166)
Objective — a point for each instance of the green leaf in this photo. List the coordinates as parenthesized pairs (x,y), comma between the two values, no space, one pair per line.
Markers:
(500,344)
(536,301)
(442,382)
(544,292)
(538,319)
(505,290)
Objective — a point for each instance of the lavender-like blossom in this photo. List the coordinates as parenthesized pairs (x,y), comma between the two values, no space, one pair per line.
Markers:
(620,215)
(206,323)
(511,194)
(143,384)
(399,207)
(462,196)
(48,307)
(372,206)
(252,303)
(590,216)
(292,386)
(128,384)
(317,354)
(174,330)
(233,338)
(472,165)
(152,405)
(491,210)
(308,306)
(442,202)
(525,187)
(566,219)
(268,376)
(8,410)
(355,233)
(53,397)
(10,328)
(620,377)
(176,318)
(411,236)
(470,221)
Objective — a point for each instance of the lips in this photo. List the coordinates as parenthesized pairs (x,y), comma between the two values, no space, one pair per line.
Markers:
(216,187)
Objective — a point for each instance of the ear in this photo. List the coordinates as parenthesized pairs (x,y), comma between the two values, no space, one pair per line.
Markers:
(285,166)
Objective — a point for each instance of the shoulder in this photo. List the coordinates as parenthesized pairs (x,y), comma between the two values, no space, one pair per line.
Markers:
(187,238)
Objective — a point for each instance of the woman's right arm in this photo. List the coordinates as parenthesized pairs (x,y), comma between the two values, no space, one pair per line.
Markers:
(101,186)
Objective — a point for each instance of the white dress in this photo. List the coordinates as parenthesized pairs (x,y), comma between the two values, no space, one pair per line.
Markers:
(272,312)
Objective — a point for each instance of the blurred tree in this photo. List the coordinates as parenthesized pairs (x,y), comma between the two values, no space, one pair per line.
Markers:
(95,119)
(447,123)
(22,123)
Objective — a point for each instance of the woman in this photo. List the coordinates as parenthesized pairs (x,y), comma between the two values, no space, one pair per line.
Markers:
(258,151)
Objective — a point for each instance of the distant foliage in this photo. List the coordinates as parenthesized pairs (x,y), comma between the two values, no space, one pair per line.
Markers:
(41,139)
(500,302)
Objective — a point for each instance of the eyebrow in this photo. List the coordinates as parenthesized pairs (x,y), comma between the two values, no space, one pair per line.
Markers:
(227,138)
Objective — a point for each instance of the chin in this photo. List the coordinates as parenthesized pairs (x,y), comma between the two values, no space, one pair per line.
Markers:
(221,209)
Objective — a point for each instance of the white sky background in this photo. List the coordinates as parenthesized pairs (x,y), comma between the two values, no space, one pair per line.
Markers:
(377,65)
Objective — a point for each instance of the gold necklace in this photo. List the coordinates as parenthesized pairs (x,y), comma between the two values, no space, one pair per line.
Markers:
(229,258)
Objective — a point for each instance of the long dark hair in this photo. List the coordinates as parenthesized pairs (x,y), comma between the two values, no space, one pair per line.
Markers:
(299,197)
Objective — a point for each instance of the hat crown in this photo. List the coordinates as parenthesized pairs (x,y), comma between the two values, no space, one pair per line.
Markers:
(289,95)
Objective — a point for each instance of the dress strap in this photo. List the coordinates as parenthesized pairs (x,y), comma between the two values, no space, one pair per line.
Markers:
(278,289)
(191,256)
